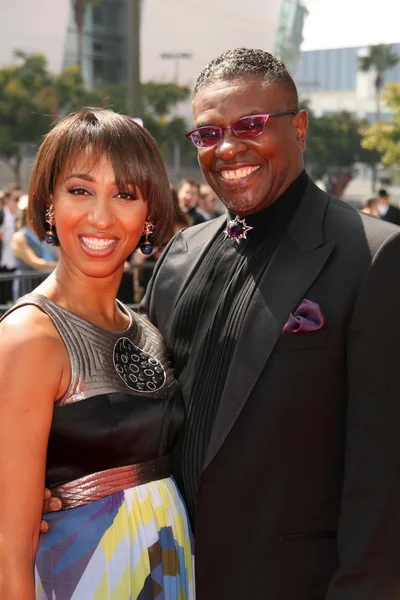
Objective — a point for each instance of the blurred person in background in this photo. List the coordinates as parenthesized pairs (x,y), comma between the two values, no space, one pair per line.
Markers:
(371,207)
(209,205)
(142,274)
(181,218)
(387,211)
(7,230)
(31,254)
(16,191)
(189,195)
(125,291)
(89,403)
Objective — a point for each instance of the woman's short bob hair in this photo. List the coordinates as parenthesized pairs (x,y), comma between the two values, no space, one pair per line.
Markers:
(97,133)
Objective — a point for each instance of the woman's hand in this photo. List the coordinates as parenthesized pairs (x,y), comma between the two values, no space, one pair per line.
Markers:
(50,504)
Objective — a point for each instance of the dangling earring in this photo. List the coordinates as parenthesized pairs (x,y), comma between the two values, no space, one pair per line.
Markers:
(51,236)
(147,247)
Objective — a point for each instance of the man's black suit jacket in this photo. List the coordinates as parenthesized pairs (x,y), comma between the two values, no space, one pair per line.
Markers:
(299,498)
(392,215)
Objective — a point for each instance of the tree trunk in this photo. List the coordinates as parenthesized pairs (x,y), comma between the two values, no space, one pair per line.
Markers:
(342,180)
(374,177)
(14,165)
(79,53)
(378,87)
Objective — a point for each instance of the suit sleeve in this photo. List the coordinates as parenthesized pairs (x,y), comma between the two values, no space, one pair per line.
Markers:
(369,528)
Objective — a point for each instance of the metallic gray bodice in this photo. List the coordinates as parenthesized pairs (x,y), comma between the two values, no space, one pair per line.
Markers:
(102,361)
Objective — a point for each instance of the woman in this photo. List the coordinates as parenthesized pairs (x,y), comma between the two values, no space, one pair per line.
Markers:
(31,254)
(89,405)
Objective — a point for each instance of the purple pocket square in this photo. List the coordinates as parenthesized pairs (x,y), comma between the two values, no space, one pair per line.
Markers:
(307,317)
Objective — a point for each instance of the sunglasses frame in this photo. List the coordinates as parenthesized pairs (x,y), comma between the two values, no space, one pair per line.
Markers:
(221,130)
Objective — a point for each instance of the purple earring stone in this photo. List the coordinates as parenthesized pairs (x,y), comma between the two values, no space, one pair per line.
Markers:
(237,229)
(146,248)
(51,239)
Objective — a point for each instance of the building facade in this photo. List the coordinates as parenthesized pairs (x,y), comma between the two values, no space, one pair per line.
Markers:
(332,82)
(34,26)
(289,35)
(177,37)
(105,43)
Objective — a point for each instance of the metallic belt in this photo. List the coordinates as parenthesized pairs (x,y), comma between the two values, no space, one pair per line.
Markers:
(98,485)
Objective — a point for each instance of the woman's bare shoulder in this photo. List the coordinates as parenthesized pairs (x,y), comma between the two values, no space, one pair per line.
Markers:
(28,327)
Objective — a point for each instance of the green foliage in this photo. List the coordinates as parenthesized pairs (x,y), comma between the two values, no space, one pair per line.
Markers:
(334,144)
(384,137)
(113,96)
(159,98)
(27,101)
(31,98)
(381,57)
(25,96)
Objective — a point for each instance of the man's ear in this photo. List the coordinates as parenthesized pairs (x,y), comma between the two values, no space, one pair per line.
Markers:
(300,122)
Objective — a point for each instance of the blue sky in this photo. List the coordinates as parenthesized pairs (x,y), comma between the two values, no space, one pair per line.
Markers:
(344,23)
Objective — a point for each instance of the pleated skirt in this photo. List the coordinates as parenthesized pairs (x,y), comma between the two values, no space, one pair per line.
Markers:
(131,545)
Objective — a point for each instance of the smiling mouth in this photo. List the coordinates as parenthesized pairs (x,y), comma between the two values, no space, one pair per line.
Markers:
(235,174)
(97,243)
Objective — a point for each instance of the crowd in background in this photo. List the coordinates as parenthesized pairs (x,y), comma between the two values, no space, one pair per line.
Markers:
(381,207)
(23,255)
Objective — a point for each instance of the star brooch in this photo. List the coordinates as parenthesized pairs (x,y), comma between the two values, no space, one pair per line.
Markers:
(237,229)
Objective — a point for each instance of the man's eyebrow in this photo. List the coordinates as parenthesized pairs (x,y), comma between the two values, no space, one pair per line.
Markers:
(247,114)
(201,124)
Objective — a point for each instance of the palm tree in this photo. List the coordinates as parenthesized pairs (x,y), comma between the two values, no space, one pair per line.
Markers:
(79,8)
(380,59)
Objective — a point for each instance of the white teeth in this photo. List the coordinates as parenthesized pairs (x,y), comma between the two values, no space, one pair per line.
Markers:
(97,243)
(238,173)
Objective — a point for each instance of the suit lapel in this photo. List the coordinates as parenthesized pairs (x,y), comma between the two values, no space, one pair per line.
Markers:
(197,245)
(179,264)
(296,263)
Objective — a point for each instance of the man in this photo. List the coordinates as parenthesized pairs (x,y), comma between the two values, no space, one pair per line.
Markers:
(189,197)
(387,211)
(291,453)
(209,206)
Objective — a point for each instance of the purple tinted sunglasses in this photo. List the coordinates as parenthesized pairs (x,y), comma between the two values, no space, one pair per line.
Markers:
(246,127)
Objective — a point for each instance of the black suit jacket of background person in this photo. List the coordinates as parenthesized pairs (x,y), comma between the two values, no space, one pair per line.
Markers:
(195,217)
(392,215)
(299,498)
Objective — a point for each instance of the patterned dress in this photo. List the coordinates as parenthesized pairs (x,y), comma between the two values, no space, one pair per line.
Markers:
(122,408)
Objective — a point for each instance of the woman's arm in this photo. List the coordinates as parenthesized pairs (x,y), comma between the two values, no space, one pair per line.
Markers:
(30,375)
(24,252)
